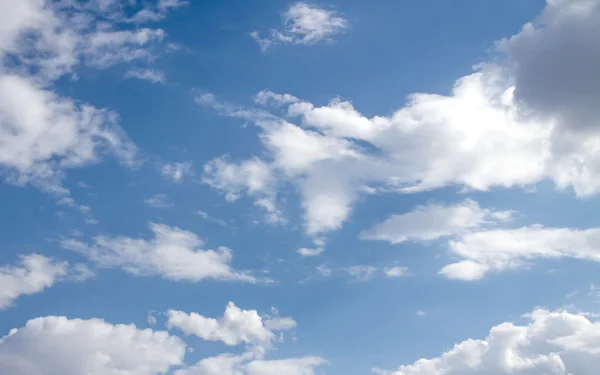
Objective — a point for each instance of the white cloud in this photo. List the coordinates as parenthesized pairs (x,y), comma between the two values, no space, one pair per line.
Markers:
(34,274)
(304,24)
(160,201)
(421,313)
(499,127)
(433,221)
(557,343)
(396,271)
(361,272)
(501,249)
(42,134)
(152,75)
(306,252)
(235,327)
(251,177)
(177,171)
(173,254)
(58,345)
(150,14)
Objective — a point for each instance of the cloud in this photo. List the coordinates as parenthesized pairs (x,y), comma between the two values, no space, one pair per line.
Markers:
(176,171)
(208,217)
(396,271)
(361,272)
(172,253)
(43,134)
(155,14)
(501,249)
(251,177)
(33,274)
(500,126)
(304,24)
(306,252)
(235,327)
(228,364)
(557,343)
(160,201)
(58,345)
(152,75)
(433,221)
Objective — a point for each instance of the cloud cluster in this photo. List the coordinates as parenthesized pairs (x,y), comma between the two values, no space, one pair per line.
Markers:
(172,253)
(528,118)
(43,134)
(97,347)
(304,24)
(552,343)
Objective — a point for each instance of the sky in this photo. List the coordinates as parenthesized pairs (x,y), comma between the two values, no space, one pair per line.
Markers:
(302,188)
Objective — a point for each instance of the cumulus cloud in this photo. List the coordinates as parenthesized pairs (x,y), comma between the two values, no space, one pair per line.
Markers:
(43,134)
(58,345)
(97,347)
(501,249)
(33,274)
(433,221)
(235,327)
(304,24)
(557,343)
(500,126)
(172,253)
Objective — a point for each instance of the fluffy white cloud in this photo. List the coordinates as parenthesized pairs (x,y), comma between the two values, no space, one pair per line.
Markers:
(173,253)
(552,343)
(58,345)
(34,274)
(497,250)
(42,134)
(152,75)
(304,24)
(252,177)
(236,326)
(177,171)
(499,127)
(430,222)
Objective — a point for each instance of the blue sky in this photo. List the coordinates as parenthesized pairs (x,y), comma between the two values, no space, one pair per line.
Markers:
(271,187)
